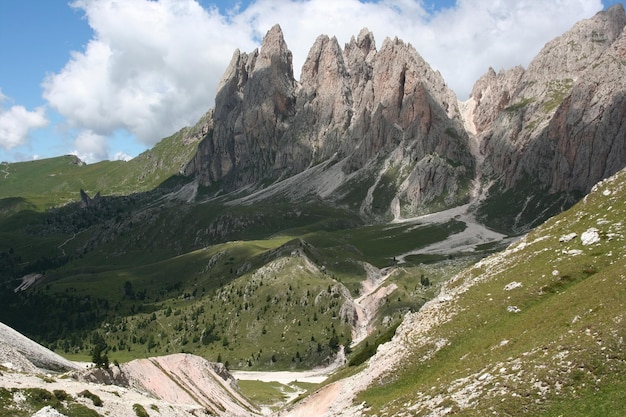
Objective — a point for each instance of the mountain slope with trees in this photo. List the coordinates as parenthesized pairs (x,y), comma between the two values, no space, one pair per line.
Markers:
(252,237)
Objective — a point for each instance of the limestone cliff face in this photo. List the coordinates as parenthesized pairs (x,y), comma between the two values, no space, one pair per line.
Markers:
(365,114)
(255,97)
(558,127)
(491,94)
(379,131)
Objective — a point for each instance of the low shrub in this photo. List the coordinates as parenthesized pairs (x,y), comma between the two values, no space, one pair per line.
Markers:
(93,397)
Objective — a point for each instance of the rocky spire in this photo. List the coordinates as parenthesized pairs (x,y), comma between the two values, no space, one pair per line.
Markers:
(255,96)
(492,93)
(323,108)
(352,109)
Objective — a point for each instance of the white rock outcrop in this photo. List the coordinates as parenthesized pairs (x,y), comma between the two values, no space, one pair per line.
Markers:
(590,236)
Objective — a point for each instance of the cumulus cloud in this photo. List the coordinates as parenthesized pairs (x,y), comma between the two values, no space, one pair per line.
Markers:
(501,34)
(91,147)
(462,41)
(152,67)
(16,123)
(122,156)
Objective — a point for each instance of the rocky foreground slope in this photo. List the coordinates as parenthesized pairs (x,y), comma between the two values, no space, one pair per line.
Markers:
(17,352)
(36,381)
(537,329)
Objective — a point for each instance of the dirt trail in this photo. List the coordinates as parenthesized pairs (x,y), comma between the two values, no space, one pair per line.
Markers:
(5,169)
(60,247)
(373,294)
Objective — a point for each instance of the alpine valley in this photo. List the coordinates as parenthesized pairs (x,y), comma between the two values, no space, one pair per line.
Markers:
(419,255)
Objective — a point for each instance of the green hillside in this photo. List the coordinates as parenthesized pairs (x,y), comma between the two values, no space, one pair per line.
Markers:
(258,296)
(57,181)
(145,271)
(535,330)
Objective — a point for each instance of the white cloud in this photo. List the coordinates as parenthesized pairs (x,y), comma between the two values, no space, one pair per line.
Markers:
(461,42)
(91,147)
(122,156)
(152,67)
(16,122)
(501,34)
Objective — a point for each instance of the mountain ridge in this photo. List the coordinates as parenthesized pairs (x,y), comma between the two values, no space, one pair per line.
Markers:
(363,113)
(559,128)
(379,132)
(312,124)
(251,237)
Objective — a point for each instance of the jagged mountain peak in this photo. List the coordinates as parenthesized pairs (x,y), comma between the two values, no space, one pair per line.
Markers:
(358,110)
(365,40)
(580,47)
(323,63)
(361,49)
(383,118)
(491,94)
(561,61)
(274,52)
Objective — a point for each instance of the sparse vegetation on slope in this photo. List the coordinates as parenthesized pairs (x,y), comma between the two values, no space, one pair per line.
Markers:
(145,274)
(537,329)
(17,402)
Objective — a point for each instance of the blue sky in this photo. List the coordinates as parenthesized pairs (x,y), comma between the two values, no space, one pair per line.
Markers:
(105,79)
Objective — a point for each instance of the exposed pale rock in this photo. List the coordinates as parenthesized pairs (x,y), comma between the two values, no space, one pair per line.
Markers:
(24,353)
(590,236)
(492,93)
(48,411)
(512,285)
(561,126)
(568,237)
(358,110)
(180,379)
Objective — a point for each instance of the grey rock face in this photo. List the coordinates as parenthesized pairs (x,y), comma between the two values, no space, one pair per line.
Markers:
(255,97)
(559,124)
(492,93)
(368,113)
(380,131)
(21,353)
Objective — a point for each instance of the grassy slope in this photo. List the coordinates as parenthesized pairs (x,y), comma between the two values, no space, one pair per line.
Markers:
(56,181)
(554,345)
(147,275)
(191,268)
